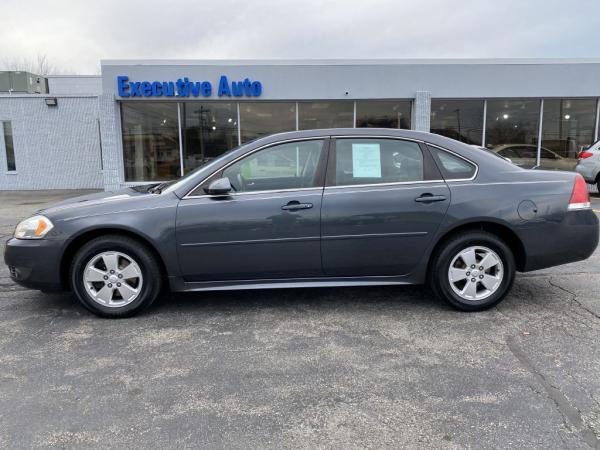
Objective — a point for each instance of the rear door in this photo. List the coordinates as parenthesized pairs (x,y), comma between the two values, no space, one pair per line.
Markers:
(383,202)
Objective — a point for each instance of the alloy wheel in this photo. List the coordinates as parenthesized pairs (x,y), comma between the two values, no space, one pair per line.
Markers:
(113,279)
(475,273)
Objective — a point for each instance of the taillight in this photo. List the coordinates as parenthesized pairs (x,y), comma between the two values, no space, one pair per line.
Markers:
(584,155)
(580,198)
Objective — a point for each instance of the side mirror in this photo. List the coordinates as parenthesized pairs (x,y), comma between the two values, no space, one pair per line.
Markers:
(220,186)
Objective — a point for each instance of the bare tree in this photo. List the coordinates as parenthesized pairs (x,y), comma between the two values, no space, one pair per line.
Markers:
(39,65)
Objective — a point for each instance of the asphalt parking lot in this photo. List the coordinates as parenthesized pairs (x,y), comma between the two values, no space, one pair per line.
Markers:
(328,368)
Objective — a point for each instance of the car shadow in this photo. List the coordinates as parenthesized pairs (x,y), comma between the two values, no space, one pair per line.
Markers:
(391,298)
(386,299)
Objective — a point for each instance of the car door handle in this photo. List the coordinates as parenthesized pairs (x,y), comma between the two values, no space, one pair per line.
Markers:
(295,205)
(430,198)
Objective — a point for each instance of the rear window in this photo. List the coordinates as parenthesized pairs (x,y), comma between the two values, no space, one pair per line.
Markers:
(452,167)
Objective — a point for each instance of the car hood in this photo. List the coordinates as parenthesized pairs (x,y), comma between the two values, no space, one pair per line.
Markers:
(97,199)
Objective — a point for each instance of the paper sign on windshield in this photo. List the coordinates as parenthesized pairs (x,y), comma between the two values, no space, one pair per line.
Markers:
(366,161)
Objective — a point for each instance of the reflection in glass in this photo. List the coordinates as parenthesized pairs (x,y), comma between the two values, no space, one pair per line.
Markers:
(259,119)
(210,129)
(458,119)
(512,125)
(383,114)
(568,126)
(315,115)
(150,141)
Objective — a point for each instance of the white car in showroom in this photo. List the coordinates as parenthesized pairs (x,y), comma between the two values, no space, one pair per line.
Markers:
(588,164)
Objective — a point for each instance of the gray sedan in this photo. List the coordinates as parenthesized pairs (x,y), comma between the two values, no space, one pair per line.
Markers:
(339,207)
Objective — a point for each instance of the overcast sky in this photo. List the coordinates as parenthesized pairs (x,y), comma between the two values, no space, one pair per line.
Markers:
(75,35)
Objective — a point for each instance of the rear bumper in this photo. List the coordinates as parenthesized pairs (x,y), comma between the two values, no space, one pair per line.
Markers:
(34,264)
(574,238)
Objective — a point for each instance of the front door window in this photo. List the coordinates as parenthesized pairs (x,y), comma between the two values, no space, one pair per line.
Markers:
(292,165)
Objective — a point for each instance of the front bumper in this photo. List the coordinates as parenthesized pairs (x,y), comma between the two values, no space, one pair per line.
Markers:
(574,238)
(34,264)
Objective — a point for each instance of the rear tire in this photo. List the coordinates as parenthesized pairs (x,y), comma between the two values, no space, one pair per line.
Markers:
(473,271)
(115,276)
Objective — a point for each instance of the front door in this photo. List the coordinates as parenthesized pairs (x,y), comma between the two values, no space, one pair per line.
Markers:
(269,227)
(382,205)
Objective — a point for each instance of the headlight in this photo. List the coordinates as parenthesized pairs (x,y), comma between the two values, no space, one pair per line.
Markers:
(35,227)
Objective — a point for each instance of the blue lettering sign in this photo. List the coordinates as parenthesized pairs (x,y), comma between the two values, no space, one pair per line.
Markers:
(195,88)
(168,89)
(183,87)
(135,89)
(224,87)
(237,87)
(146,89)
(123,86)
(256,88)
(206,89)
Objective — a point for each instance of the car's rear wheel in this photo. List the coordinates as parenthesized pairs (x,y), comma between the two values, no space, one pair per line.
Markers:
(473,271)
(115,276)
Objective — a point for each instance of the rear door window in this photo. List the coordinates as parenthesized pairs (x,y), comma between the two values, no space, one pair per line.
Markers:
(452,167)
(377,161)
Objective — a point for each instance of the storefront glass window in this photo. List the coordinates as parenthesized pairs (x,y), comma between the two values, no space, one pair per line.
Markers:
(512,126)
(261,118)
(568,126)
(314,115)
(150,141)
(458,119)
(383,114)
(209,129)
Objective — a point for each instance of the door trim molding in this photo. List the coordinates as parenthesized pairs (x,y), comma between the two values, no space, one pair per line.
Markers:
(375,235)
(252,241)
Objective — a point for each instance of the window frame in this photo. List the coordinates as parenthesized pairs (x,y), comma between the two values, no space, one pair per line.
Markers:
(431,173)
(319,173)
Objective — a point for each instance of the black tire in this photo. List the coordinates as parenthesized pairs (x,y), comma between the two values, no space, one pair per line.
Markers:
(138,252)
(440,265)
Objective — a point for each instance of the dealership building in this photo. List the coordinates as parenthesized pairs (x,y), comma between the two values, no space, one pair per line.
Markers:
(146,121)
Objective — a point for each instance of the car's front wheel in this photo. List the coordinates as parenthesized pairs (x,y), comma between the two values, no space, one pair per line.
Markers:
(115,276)
(473,271)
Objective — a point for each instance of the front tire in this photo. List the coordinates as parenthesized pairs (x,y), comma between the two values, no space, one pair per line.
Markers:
(115,276)
(473,271)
